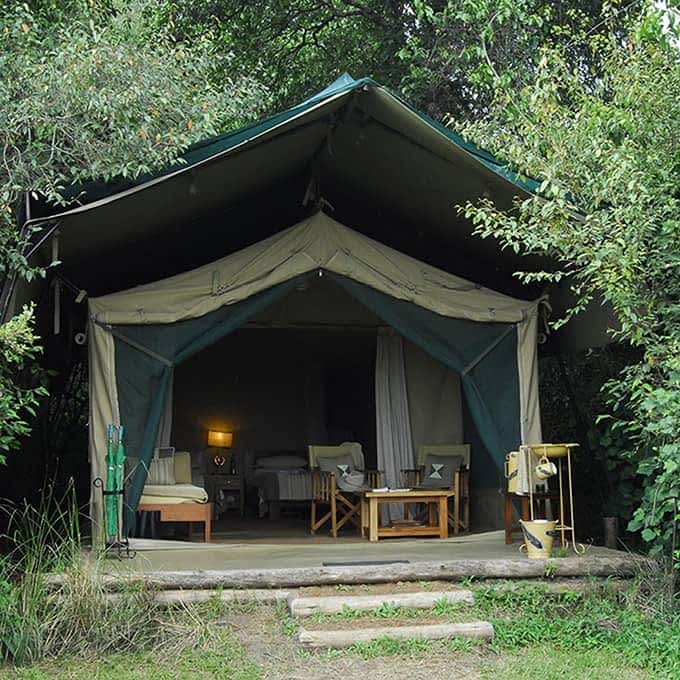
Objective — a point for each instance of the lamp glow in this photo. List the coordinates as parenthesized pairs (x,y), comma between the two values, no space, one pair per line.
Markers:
(220,440)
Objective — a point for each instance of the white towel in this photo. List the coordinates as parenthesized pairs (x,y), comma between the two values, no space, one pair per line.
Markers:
(524,460)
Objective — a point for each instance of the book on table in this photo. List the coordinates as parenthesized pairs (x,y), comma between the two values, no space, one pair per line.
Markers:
(386,489)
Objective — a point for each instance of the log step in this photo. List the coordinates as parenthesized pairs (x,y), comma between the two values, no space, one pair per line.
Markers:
(171,598)
(338,639)
(308,606)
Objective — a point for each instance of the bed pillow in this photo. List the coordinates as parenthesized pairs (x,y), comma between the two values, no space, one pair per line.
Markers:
(342,465)
(283,462)
(161,471)
(438,471)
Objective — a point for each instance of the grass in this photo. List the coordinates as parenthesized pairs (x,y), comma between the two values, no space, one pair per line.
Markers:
(546,662)
(224,659)
(538,637)
(390,610)
(576,626)
(40,623)
(544,635)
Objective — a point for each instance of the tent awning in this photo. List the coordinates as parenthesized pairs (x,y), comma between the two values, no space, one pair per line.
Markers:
(317,243)
(393,173)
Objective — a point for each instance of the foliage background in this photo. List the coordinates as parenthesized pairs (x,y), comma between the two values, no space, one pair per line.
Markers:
(605,146)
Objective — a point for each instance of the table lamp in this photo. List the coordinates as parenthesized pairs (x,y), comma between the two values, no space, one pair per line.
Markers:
(220,440)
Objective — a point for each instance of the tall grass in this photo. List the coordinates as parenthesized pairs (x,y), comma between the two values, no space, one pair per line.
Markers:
(37,540)
(42,618)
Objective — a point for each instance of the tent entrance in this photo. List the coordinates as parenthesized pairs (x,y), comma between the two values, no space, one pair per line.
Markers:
(150,357)
(278,390)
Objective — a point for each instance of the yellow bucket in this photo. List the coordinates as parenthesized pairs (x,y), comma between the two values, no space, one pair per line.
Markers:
(538,537)
(511,471)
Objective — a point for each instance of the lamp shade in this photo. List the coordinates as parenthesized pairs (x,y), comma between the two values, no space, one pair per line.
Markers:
(222,440)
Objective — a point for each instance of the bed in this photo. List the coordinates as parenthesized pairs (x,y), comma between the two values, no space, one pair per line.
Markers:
(280,478)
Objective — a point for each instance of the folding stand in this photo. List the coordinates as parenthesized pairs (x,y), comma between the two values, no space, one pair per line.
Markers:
(118,545)
(559,452)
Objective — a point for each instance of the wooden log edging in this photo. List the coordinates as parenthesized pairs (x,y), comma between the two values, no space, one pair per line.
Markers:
(338,639)
(308,606)
(174,598)
(445,570)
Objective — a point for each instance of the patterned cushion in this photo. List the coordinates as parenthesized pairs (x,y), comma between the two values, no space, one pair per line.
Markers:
(353,482)
(342,465)
(161,471)
(439,471)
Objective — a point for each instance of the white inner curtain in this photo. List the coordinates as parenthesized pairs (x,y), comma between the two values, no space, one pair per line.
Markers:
(393,424)
(165,426)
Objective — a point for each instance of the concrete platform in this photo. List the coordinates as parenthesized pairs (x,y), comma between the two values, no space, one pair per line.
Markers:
(184,564)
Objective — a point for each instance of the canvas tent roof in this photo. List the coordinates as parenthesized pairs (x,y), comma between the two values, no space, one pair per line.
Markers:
(98,193)
(389,171)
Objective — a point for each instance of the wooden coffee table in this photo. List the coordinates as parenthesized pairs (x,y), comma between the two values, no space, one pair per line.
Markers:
(438,520)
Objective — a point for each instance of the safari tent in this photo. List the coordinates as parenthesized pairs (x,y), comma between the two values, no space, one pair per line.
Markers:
(352,190)
(138,336)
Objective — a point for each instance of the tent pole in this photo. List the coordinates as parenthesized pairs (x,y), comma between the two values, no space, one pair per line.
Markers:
(134,344)
(487,351)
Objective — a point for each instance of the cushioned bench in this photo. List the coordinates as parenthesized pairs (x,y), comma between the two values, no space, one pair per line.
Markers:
(179,502)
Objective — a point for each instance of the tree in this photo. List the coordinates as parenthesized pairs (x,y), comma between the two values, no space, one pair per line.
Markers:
(18,351)
(297,48)
(94,91)
(429,49)
(606,148)
(459,50)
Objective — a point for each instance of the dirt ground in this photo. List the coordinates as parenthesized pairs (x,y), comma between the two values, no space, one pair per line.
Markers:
(282,658)
(378,588)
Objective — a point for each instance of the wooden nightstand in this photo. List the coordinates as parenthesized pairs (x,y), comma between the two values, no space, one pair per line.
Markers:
(226,491)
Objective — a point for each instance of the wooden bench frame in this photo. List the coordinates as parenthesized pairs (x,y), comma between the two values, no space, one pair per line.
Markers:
(183,512)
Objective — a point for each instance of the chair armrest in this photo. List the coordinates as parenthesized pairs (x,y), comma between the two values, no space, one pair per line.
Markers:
(323,484)
(373,478)
(411,477)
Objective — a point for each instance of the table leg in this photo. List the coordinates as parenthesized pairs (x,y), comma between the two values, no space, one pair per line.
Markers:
(526,513)
(456,504)
(431,514)
(207,526)
(507,519)
(563,541)
(443,517)
(373,519)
